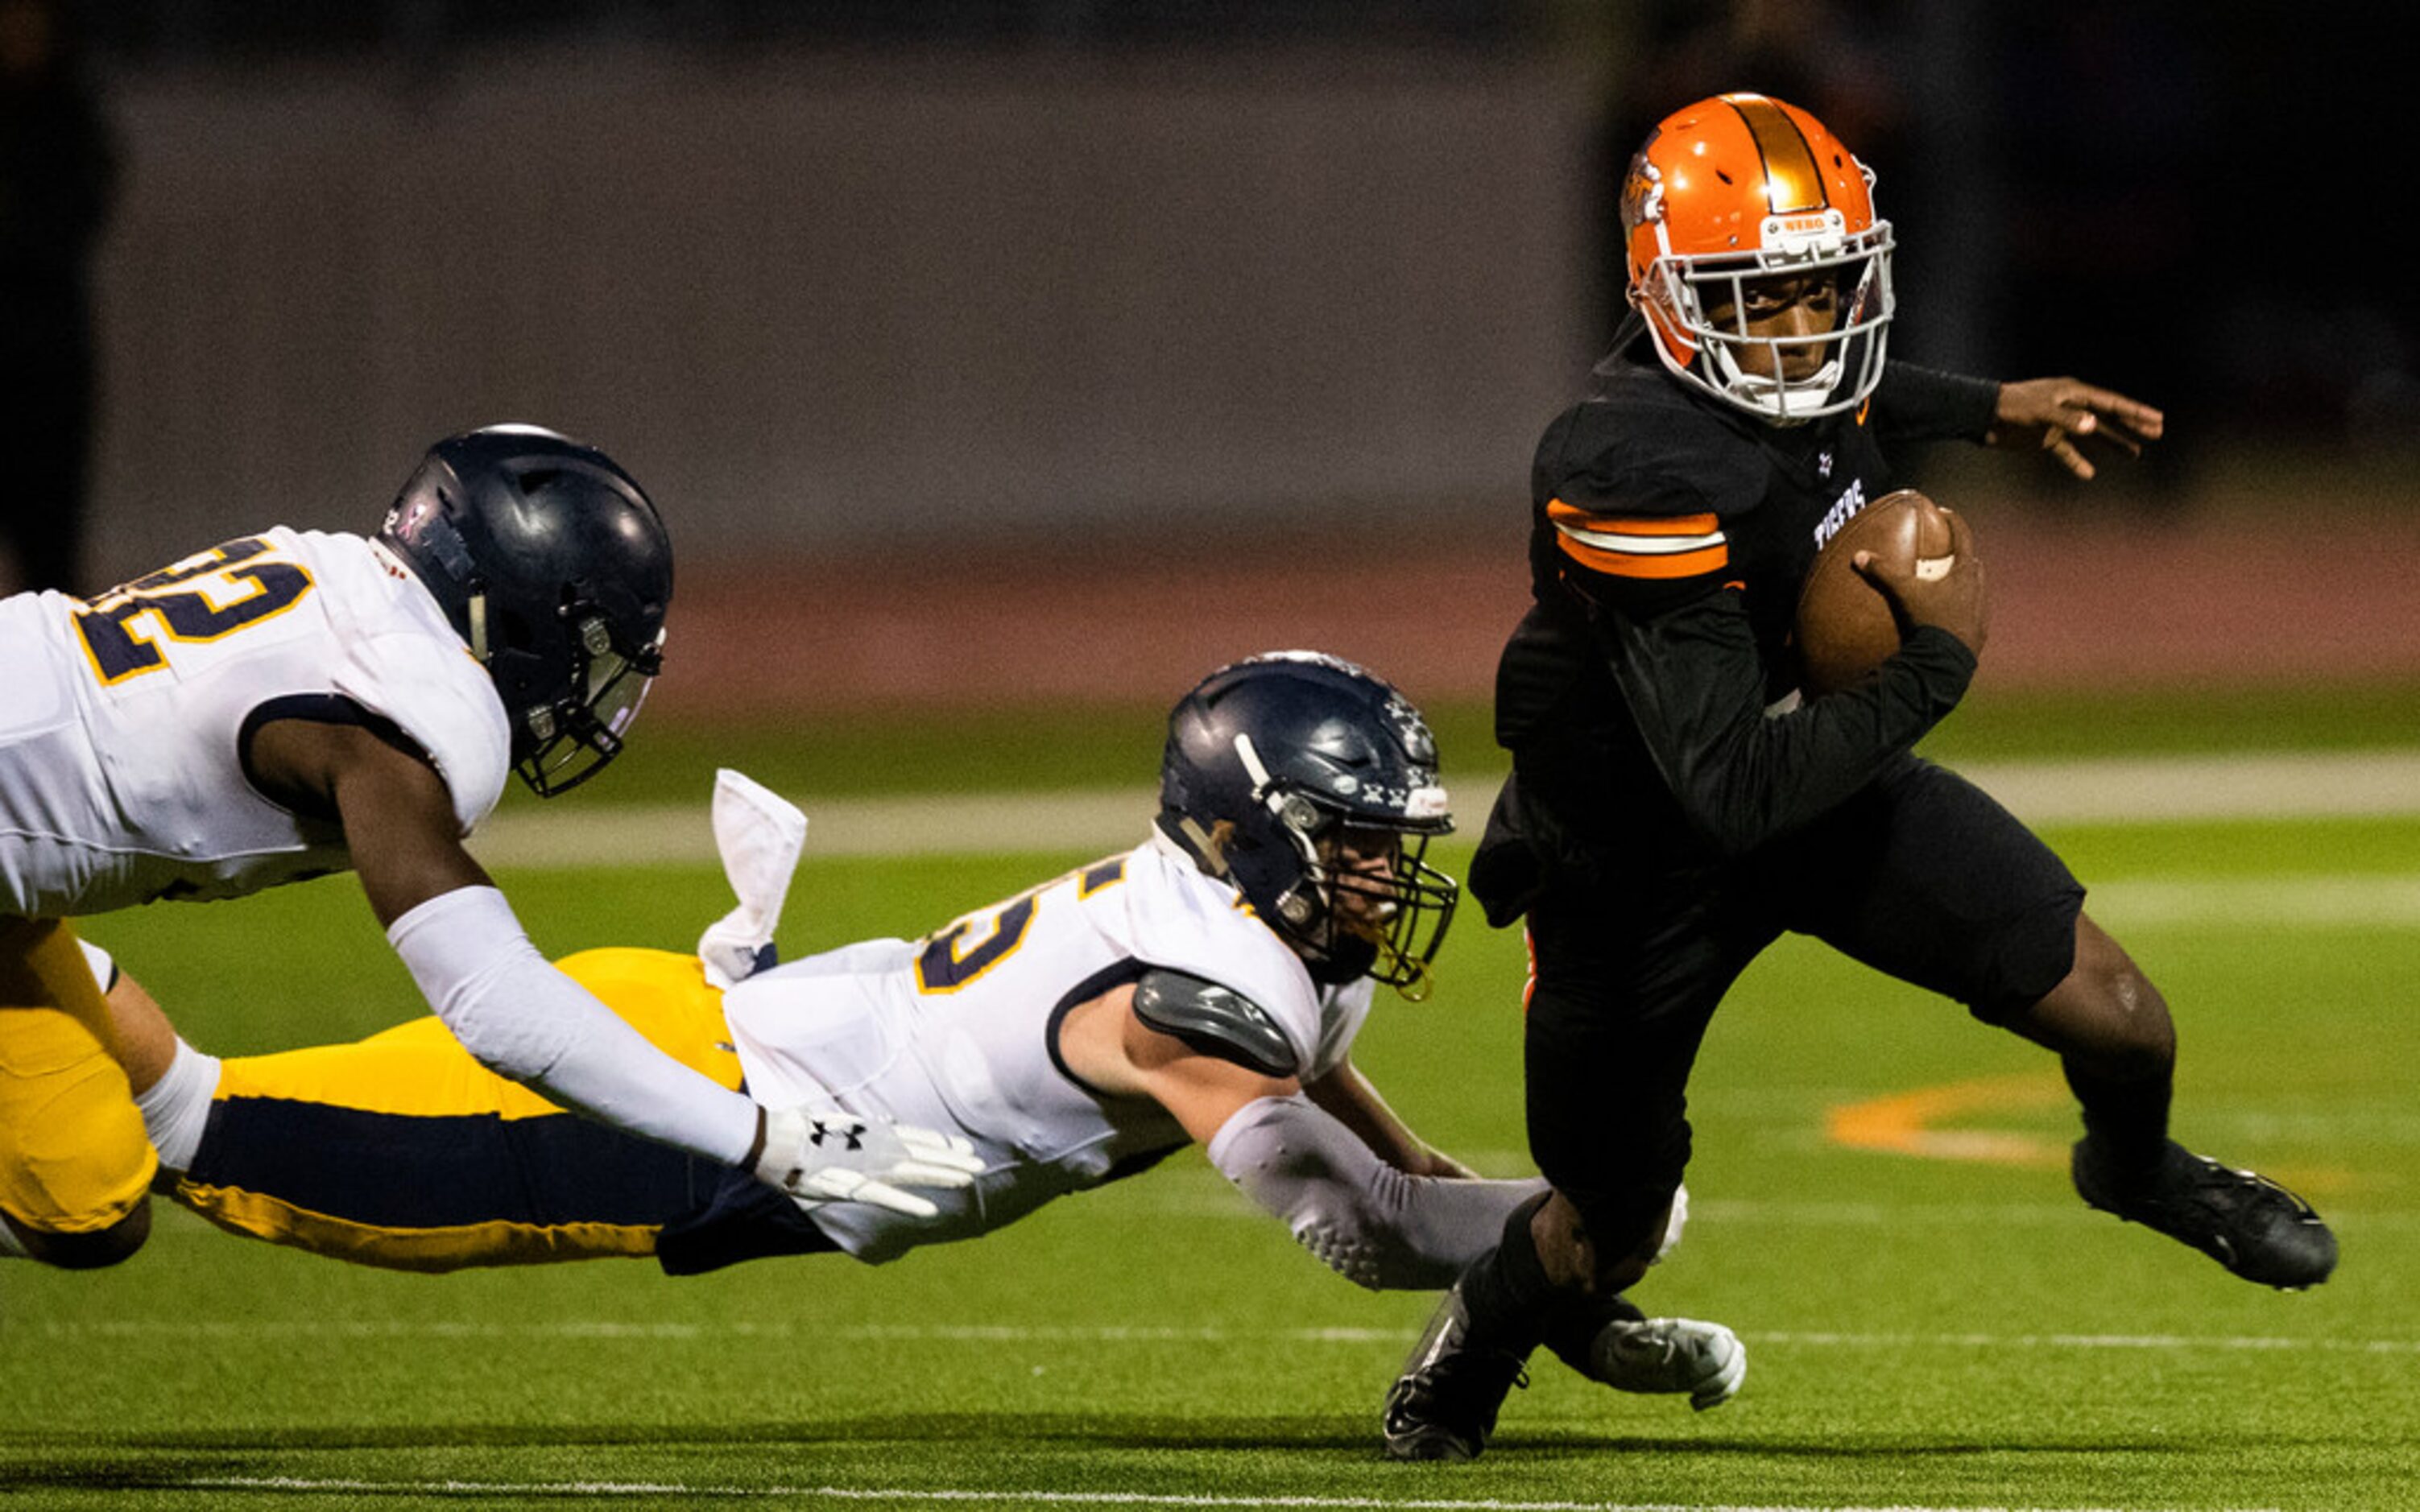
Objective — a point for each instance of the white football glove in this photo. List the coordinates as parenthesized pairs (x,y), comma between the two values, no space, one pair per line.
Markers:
(1670,1355)
(819,1156)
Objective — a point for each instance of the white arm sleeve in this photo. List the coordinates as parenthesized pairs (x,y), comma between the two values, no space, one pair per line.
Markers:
(1369,1222)
(522,1018)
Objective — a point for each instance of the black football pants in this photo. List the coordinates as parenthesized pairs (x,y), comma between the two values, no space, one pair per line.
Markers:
(1922,876)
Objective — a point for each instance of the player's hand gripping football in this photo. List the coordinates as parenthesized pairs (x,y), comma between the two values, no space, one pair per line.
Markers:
(2054,414)
(819,1156)
(1944,592)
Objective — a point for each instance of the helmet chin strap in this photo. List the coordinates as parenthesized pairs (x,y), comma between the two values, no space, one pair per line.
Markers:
(1209,846)
(1417,981)
(1410,976)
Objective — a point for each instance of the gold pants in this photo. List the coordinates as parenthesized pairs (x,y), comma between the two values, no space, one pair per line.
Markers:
(73,1157)
(401,1151)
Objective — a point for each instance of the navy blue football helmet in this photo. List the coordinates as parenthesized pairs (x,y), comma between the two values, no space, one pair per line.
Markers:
(554,569)
(1287,775)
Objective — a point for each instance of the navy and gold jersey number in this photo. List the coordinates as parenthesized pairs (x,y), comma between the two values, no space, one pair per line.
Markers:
(951,960)
(176,599)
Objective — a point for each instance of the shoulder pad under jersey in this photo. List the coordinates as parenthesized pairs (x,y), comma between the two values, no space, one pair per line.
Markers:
(1213,1020)
(1643,443)
(1636,500)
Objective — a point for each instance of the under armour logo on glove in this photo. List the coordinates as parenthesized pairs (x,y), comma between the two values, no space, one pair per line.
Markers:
(854,1134)
(826,1157)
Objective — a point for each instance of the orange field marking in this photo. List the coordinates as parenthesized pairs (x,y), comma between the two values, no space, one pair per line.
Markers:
(1904,1122)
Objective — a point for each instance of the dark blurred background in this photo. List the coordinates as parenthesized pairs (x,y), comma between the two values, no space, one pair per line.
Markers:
(953,272)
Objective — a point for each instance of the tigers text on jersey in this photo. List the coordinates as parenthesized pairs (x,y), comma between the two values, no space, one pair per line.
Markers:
(122,743)
(959,1032)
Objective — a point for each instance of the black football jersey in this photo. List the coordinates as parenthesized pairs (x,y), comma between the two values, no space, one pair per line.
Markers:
(1646,695)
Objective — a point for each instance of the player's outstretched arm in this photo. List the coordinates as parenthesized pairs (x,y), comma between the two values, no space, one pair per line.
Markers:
(1379,1225)
(1348,1097)
(521,1017)
(1375,1226)
(2055,414)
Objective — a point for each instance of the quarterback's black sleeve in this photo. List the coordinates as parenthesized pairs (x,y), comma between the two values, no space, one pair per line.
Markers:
(1696,689)
(1924,404)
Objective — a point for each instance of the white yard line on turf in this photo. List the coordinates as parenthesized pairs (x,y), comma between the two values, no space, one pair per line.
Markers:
(852,1494)
(2351,900)
(2127,790)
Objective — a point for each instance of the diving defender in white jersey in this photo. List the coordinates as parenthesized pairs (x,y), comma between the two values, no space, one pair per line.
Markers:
(1205,987)
(291,704)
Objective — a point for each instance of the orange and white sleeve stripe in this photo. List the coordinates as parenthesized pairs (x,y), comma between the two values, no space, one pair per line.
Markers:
(1636,545)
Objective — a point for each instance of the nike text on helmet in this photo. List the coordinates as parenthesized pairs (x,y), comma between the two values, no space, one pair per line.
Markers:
(555,568)
(1286,775)
(1742,188)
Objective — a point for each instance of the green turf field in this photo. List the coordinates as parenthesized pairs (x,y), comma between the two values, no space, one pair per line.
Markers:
(1925,1330)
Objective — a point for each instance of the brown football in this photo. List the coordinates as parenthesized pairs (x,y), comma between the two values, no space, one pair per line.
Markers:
(1845,628)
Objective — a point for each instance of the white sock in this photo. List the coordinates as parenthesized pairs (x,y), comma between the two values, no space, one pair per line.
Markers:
(177,1107)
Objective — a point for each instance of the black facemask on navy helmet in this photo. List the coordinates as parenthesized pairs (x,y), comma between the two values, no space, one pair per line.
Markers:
(554,569)
(1311,785)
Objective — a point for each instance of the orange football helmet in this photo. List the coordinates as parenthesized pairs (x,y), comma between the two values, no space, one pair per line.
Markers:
(1742,188)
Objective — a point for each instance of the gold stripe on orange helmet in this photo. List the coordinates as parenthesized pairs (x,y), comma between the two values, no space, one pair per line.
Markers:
(1792,180)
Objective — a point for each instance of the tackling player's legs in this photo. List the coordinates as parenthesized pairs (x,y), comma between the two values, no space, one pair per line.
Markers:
(401,1151)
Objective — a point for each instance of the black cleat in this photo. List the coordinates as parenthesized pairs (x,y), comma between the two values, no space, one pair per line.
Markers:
(2247,1223)
(1444,1404)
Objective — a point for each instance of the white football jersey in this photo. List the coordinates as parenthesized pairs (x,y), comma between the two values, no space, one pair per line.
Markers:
(959,1032)
(121,773)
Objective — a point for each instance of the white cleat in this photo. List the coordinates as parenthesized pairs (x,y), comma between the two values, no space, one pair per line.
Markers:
(1667,1356)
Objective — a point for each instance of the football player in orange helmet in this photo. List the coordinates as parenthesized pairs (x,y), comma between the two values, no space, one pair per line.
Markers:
(1677,803)
(1762,274)
(1757,258)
